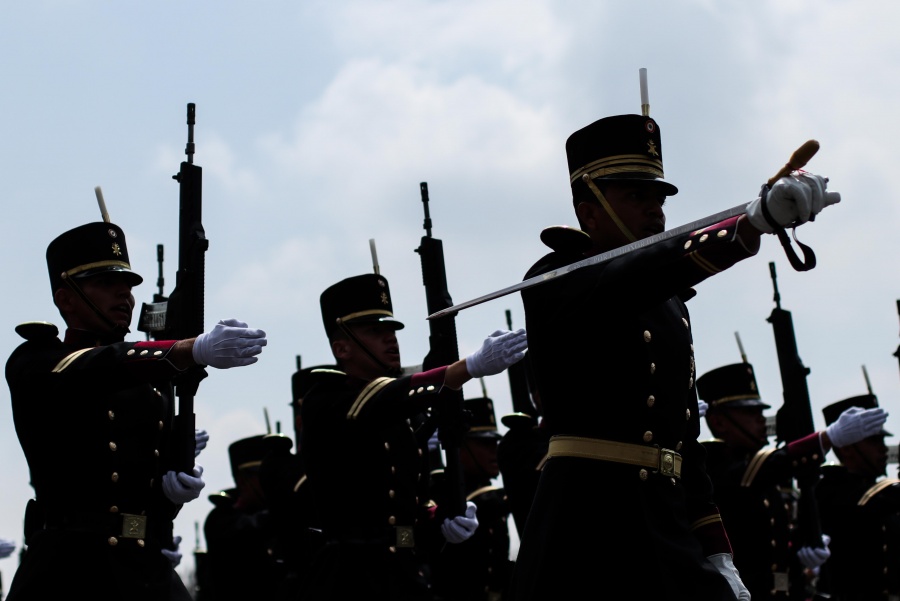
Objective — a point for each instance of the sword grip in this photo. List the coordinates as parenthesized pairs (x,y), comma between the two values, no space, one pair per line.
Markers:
(797,161)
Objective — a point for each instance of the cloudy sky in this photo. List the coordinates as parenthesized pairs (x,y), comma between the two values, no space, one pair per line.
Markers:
(316,122)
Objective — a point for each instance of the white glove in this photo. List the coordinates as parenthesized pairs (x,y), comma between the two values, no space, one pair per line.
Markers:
(725,565)
(856,424)
(201,437)
(173,556)
(181,488)
(461,527)
(792,200)
(702,407)
(230,344)
(813,557)
(6,547)
(499,350)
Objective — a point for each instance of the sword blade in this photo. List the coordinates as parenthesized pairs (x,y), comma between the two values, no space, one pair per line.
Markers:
(594,260)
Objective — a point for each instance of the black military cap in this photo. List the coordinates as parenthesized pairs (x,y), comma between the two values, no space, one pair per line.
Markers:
(88,250)
(359,299)
(622,147)
(730,386)
(863,401)
(248,453)
(482,420)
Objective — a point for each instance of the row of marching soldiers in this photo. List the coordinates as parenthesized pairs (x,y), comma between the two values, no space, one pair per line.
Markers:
(360,500)
(263,534)
(625,496)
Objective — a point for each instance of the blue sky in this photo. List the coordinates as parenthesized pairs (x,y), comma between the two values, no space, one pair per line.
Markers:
(316,122)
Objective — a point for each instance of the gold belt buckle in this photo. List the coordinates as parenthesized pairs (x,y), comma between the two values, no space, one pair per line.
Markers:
(780,582)
(134,526)
(667,462)
(405,538)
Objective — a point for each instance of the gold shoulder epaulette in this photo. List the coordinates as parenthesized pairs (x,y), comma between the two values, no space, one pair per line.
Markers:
(37,330)
(754,466)
(877,488)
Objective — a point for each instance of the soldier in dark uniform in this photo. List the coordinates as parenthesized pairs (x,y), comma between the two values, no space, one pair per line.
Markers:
(860,510)
(754,484)
(94,418)
(365,463)
(239,530)
(298,534)
(521,455)
(624,499)
(477,569)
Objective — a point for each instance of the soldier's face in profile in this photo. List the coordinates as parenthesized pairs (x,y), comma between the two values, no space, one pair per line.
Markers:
(741,427)
(109,292)
(480,457)
(381,340)
(637,205)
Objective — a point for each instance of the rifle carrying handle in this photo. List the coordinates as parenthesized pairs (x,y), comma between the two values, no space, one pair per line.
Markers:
(797,161)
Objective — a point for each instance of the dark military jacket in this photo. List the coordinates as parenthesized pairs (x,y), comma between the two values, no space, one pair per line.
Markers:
(369,480)
(613,359)
(297,532)
(239,550)
(94,419)
(758,502)
(521,454)
(862,517)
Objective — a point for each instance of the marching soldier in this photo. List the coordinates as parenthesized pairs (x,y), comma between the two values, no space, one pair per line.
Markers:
(860,510)
(239,530)
(297,533)
(754,484)
(94,418)
(478,568)
(364,461)
(521,454)
(613,356)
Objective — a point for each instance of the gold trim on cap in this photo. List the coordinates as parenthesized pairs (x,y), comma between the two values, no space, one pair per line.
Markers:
(736,397)
(366,314)
(88,266)
(622,163)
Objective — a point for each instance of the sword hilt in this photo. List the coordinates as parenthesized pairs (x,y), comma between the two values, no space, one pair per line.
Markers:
(797,161)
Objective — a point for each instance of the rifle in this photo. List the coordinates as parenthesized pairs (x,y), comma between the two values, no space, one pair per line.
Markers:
(180,316)
(518,384)
(443,350)
(794,418)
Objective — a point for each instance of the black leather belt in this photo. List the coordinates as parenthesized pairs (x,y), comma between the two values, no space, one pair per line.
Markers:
(399,537)
(121,525)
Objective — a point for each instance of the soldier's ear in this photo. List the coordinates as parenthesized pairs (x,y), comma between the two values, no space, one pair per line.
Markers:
(62,298)
(587,217)
(340,348)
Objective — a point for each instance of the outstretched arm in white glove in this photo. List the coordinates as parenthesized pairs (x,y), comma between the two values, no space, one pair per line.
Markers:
(813,557)
(853,425)
(725,565)
(792,200)
(181,488)
(229,344)
(173,555)
(498,351)
(462,527)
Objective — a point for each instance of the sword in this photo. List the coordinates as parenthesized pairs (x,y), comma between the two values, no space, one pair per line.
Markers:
(798,160)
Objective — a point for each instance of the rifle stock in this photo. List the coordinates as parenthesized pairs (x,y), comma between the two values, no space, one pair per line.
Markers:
(794,418)
(443,350)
